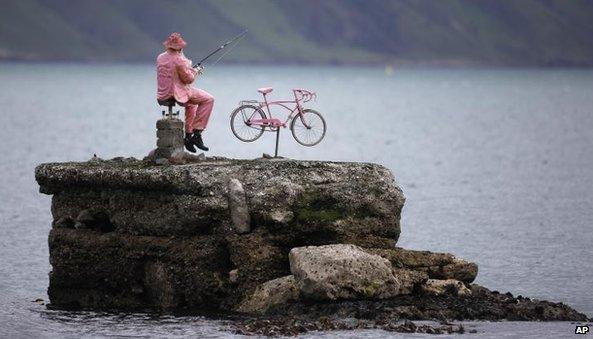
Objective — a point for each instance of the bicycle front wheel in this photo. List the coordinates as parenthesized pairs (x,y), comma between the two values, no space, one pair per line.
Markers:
(308,129)
(241,124)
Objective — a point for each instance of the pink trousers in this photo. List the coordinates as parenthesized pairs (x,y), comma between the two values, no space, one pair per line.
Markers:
(198,109)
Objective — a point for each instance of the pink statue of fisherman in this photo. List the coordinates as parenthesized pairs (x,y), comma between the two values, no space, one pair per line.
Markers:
(175,75)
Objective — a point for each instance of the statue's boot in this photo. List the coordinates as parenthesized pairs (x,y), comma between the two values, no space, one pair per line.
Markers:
(197,140)
(189,143)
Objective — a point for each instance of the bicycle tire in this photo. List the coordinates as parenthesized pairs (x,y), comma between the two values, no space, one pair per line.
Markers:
(313,137)
(242,126)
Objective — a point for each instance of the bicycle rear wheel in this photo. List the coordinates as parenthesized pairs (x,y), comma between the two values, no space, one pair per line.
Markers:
(241,126)
(309,128)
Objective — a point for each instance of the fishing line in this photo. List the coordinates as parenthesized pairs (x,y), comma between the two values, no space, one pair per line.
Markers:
(237,38)
(233,45)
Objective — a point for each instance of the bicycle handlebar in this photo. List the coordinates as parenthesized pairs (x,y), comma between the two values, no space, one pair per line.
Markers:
(305,95)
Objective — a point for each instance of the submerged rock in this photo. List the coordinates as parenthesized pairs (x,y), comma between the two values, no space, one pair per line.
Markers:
(285,326)
(394,314)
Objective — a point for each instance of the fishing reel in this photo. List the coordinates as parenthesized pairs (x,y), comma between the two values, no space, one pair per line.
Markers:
(200,69)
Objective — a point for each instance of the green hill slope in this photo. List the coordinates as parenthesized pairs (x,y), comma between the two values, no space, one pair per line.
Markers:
(491,32)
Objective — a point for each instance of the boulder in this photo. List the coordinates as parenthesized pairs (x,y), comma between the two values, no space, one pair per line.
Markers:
(342,271)
(269,295)
(438,287)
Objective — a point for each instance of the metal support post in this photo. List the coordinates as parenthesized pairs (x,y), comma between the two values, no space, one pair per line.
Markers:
(277,139)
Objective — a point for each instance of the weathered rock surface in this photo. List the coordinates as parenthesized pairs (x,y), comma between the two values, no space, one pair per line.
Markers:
(439,287)
(295,202)
(212,234)
(238,207)
(132,235)
(169,141)
(411,281)
(120,271)
(271,294)
(334,272)
(342,271)
(435,265)
(256,260)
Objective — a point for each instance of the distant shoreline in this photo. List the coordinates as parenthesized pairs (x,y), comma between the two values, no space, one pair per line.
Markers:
(400,64)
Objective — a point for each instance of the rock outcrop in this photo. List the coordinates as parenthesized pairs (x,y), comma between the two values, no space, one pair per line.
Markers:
(294,239)
(296,202)
(131,235)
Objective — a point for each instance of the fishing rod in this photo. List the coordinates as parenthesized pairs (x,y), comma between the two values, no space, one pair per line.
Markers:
(238,37)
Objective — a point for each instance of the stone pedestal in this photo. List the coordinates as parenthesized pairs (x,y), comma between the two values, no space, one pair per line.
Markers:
(169,134)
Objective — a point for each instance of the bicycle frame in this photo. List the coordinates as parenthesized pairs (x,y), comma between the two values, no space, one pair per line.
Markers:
(300,95)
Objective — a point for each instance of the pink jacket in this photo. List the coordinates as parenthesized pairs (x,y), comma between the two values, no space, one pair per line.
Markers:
(174,76)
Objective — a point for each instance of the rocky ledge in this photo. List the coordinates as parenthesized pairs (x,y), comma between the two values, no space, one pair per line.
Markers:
(283,246)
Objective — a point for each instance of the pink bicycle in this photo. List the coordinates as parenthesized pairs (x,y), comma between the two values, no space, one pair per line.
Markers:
(249,121)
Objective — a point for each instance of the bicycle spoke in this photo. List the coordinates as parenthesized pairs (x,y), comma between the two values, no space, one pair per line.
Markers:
(309,128)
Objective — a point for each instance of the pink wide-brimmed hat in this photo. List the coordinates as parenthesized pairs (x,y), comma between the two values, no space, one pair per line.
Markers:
(175,41)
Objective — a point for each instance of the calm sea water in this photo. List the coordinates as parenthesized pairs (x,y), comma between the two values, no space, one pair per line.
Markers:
(496,165)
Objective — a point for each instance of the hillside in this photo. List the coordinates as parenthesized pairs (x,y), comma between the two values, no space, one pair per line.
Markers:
(487,32)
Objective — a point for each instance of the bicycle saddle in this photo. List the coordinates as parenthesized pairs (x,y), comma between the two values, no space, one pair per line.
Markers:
(169,102)
(265,90)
